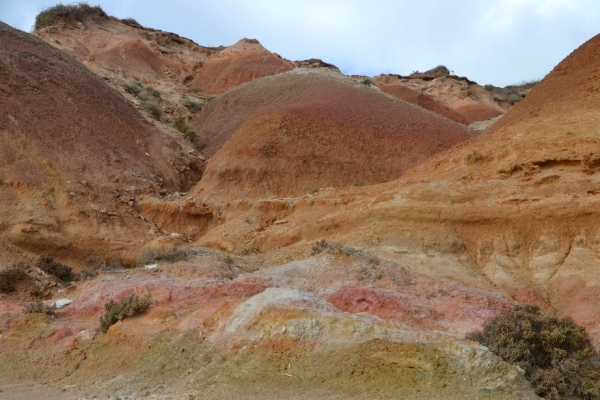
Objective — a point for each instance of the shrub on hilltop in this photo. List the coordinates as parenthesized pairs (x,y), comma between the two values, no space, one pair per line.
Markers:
(71,12)
(556,354)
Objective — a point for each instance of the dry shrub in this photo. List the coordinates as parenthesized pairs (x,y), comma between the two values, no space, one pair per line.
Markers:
(61,271)
(11,276)
(127,307)
(49,16)
(556,354)
(153,108)
(38,306)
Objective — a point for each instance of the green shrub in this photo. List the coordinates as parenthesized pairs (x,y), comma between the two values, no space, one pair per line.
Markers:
(61,271)
(11,276)
(153,108)
(190,104)
(51,15)
(556,354)
(38,306)
(368,81)
(127,307)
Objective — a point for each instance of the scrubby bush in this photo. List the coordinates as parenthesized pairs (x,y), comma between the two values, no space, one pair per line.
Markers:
(190,104)
(11,276)
(49,16)
(556,354)
(186,128)
(61,271)
(133,22)
(134,88)
(154,92)
(153,108)
(367,82)
(168,254)
(127,307)
(38,306)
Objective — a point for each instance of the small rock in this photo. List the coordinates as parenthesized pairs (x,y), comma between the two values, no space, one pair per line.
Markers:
(62,303)
(151,267)
(85,335)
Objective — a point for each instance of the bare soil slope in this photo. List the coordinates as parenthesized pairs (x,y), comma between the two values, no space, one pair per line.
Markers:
(308,129)
(416,97)
(68,143)
(244,61)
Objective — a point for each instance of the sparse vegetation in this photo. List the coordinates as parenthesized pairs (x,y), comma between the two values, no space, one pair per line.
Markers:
(556,354)
(134,88)
(131,21)
(367,82)
(127,307)
(61,271)
(185,127)
(152,91)
(71,12)
(489,87)
(168,254)
(38,306)
(11,276)
(190,104)
(153,108)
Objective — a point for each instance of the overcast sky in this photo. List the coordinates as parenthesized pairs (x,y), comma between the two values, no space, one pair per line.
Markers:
(490,41)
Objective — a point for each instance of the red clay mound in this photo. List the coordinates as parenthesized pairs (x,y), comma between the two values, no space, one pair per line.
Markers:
(308,129)
(69,145)
(415,97)
(477,112)
(244,61)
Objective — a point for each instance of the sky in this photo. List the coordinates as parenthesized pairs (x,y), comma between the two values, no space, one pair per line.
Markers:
(499,42)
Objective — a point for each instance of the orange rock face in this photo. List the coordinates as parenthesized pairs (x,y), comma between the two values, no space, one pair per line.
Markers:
(310,129)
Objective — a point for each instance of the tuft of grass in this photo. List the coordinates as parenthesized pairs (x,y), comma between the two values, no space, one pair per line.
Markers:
(153,108)
(127,307)
(190,104)
(61,271)
(368,81)
(556,354)
(38,306)
(11,276)
(50,15)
